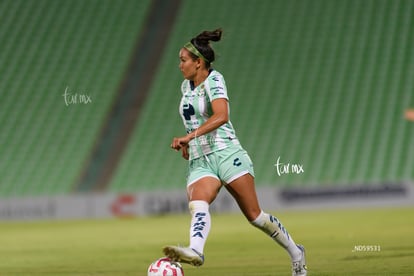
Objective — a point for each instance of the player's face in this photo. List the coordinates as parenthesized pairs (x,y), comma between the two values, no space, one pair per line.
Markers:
(188,66)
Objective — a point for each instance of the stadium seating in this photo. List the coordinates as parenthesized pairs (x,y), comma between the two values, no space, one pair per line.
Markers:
(49,47)
(322,84)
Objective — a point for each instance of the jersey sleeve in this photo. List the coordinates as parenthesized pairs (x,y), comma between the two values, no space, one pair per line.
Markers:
(216,86)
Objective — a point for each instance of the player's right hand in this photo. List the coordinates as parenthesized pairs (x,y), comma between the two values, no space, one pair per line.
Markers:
(184,152)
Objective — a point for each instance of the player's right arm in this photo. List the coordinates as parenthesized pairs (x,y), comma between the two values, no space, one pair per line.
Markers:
(184,152)
(220,116)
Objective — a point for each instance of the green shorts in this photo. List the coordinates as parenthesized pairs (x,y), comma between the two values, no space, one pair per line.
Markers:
(226,165)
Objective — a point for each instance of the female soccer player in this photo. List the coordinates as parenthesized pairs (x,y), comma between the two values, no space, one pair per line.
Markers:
(216,157)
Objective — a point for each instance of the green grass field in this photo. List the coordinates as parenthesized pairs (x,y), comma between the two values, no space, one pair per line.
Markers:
(128,246)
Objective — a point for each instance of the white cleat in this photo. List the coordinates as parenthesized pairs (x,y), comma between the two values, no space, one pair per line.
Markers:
(299,268)
(184,255)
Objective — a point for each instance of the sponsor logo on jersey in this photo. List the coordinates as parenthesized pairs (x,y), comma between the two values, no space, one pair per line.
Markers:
(188,110)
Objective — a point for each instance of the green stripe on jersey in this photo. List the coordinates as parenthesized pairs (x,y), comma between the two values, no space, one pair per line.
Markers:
(195,109)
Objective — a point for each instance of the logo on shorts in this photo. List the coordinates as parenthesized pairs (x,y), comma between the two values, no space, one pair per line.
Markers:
(237,162)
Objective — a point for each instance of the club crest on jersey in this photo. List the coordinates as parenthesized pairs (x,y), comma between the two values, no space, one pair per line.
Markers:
(202,91)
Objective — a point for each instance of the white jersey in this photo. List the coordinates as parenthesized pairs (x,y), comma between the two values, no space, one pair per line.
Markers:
(195,109)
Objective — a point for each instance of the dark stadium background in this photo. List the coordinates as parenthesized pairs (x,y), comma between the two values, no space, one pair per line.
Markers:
(90,93)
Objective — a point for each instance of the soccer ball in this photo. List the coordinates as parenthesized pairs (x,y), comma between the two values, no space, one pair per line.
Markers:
(165,267)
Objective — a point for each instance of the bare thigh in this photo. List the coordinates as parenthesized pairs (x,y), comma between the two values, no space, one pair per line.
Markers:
(244,192)
(205,189)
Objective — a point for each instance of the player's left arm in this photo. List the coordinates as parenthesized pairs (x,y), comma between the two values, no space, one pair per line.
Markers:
(220,116)
(409,114)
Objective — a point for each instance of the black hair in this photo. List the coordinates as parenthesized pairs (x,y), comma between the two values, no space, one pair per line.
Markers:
(202,43)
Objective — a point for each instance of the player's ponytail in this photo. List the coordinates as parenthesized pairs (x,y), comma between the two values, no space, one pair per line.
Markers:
(206,36)
(202,44)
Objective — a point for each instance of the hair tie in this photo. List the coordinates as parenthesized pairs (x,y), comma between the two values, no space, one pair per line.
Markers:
(190,47)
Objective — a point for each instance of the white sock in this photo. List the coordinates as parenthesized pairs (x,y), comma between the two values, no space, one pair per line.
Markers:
(200,224)
(274,228)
